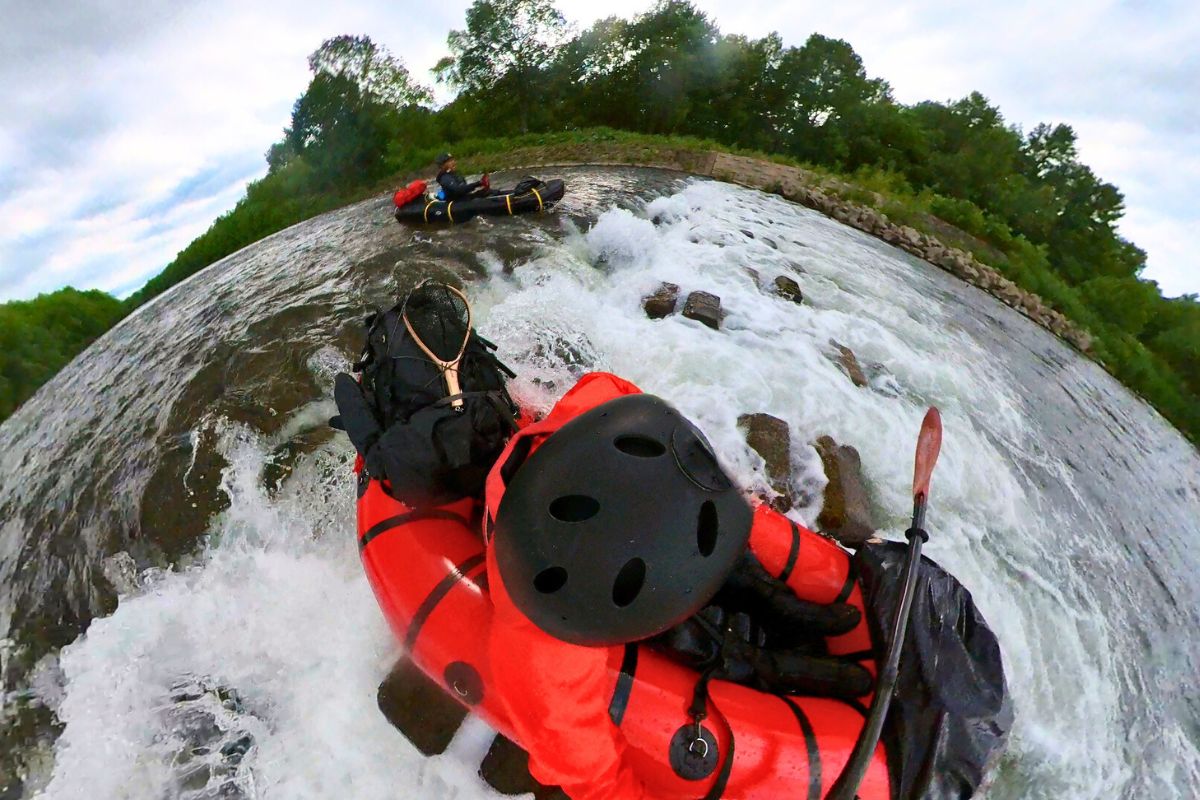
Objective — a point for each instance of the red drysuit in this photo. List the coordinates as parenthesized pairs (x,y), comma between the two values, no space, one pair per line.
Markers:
(556,694)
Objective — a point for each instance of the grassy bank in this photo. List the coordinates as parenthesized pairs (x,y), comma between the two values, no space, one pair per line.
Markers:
(286,196)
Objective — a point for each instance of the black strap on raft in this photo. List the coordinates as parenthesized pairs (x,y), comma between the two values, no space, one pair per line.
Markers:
(420,708)
(793,554)
(698,711)
(693,751)
(620,698)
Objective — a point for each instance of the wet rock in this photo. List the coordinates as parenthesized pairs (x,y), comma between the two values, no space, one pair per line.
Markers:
(754,276)
(883,382)
(747,234)
(770,438)
(846,512)
(849,363)
(662,302)
(213,729)
(703,307)
(788,289)
(121,572)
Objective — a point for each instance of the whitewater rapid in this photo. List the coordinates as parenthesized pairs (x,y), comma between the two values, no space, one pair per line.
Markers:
(267,641)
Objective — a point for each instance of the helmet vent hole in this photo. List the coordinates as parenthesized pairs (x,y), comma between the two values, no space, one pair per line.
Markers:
(574,508)
(707,528)
(629,582)
(640,446)
(550,580)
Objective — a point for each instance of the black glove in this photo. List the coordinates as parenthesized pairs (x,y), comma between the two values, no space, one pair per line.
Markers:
(427,460)
(758,633)
(793,672)
(355,414)
(788,620)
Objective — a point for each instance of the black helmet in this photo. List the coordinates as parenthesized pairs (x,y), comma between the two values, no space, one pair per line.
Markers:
(621,525)
(442,159)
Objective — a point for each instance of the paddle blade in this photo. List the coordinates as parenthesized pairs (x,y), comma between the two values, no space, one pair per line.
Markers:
(929,444)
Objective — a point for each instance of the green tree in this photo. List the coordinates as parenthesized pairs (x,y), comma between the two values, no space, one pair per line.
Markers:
(670,55)
(1125,302)
(580,80)
(340,133)
(352,107)
(1173,332)
(39,337)
(825,87)
(506,46)
(378,75)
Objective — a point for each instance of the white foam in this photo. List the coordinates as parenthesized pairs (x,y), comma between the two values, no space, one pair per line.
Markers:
(278,610)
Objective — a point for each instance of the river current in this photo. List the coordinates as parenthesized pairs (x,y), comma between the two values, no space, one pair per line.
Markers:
(177,485)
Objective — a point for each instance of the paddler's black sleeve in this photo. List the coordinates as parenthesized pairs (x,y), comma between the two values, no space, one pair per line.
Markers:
(357,418)
(454,186)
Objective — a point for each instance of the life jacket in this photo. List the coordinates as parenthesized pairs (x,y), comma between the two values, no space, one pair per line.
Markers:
(409,193)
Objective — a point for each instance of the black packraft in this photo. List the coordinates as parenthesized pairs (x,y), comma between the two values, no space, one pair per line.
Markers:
(431,452)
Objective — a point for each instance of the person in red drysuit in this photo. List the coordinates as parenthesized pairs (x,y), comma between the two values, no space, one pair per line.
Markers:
(553,674)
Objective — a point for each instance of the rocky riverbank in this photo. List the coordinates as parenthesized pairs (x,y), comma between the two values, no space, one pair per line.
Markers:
(818,193)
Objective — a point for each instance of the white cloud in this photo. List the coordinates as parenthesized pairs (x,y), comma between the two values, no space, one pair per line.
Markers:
(114,110)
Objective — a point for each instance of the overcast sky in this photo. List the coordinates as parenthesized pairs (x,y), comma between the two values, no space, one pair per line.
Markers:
(127,126)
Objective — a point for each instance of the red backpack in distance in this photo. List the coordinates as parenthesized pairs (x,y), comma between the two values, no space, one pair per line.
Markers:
(409,193)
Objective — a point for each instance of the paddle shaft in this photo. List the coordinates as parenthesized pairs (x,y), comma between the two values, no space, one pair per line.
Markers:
(846,786)
(929,445)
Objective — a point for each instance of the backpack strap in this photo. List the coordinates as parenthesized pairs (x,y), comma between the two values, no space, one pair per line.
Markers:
(367,356)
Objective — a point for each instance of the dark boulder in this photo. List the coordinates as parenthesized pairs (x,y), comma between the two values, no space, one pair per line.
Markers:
(849,363)
(703,307)
(770,438)
(846,512)
(788,289)
(662,303)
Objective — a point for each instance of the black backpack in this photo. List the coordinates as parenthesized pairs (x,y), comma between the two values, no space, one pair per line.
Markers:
(429,451)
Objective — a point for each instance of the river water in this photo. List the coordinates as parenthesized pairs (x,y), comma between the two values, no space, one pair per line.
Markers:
(177,486)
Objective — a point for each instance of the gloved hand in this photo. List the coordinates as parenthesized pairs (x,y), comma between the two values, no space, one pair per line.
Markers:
(426,460)
(788,620)
(485,181)
(758,633)
(355,415)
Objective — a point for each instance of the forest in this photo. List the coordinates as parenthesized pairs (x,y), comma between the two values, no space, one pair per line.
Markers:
(522,76)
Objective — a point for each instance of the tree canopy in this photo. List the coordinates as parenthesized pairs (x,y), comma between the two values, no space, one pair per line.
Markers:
(1044,217)
(358,100)
(505,47)
(38,337)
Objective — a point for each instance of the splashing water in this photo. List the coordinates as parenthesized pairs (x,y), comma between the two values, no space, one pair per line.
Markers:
(251,670)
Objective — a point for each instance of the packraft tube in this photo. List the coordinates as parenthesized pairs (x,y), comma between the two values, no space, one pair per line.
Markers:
(428,571)
(521,199)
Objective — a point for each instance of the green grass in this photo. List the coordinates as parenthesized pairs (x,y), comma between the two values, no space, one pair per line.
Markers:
(286,197)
